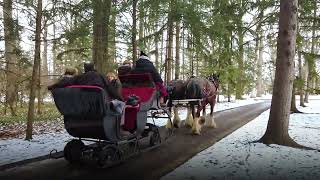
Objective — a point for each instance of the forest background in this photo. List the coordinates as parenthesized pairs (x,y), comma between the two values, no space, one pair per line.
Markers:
(235,38)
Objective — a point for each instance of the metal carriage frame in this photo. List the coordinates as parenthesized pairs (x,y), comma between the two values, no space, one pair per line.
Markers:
(89,117)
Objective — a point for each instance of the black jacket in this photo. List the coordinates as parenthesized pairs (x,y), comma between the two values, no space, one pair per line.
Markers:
(66,80)
(123,70)
(93,78)
(145,66)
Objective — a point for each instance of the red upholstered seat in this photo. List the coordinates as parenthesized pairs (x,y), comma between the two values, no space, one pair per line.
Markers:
(140,85)
(130,118)
(85,87)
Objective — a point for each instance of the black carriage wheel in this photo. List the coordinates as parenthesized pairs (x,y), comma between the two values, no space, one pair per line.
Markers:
(73,151)
(108,156)
(155,138)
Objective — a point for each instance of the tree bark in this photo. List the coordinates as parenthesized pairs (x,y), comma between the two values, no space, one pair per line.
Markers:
(112,54)
(259,67)
(293,108)
(156,43)
(183,55)
(170,42)
(300,78)
(43,71)
(54,52)
(240,86)
(177,62)
(311,64)
(141,43)
(134,32)
(101,16)
(10,38)
(278,124)
(35,71)
(161,53)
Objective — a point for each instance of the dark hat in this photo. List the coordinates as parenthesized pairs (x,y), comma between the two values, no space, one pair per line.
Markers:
(88,67)
(143,54)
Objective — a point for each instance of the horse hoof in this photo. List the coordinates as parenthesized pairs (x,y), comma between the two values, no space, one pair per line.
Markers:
(187,125)
(176,125)
(168,125)
(202,120)
(212,126)
(196,132)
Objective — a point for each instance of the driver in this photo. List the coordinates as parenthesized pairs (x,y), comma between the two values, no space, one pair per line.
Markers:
(143,64)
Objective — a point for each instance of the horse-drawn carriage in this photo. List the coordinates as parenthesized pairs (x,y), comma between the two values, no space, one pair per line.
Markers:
(90,117)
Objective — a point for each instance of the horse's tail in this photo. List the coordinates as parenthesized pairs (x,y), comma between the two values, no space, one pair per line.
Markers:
(193,90)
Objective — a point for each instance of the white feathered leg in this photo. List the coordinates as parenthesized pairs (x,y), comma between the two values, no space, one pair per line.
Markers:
(176,118)
(169,123)
(210,121)
(197,125)
(189,120)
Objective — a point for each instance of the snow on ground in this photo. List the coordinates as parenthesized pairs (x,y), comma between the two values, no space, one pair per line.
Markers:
(13,150)
(236,157)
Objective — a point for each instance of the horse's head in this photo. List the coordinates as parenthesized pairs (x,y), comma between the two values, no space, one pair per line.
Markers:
(214,78)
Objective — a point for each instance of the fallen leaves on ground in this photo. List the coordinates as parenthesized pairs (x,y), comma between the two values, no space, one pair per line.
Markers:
(17,130)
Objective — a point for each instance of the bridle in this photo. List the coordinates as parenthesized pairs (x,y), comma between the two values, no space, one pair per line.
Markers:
(214,81)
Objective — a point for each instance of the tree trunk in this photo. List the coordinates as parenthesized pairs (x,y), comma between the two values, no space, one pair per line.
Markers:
(177,62)
(293,108)
(300,78)
(35,71)
(101,15)
(161,53)
(183,55)
(170,39)
(197,63)
(311,64)
(134,32)
(112,36)
(190,49)
(259,67)
(10,57)
(54,52)
(278,124)
(240,86)
(39,97)
(141,43)
(156,43)
(43,71)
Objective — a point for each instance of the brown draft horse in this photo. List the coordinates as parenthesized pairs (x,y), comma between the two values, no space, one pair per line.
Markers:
(206,90)
(176,91)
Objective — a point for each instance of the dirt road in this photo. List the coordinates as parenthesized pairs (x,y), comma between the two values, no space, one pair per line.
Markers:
(149,165)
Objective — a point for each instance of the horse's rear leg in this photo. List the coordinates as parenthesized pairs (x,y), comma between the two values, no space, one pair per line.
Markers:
(210,119)
(198,121)
(189,120)
(176,118)
(169,123)
(197,125)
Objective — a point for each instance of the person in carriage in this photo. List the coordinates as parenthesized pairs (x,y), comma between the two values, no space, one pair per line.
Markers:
(65,80)
(93,78)
(144,65)
(125,68)
(114,81)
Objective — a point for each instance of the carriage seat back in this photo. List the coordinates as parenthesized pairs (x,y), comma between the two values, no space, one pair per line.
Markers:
(141,85)
(81,101)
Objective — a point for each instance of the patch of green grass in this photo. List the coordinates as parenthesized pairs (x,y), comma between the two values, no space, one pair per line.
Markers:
(49,112)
